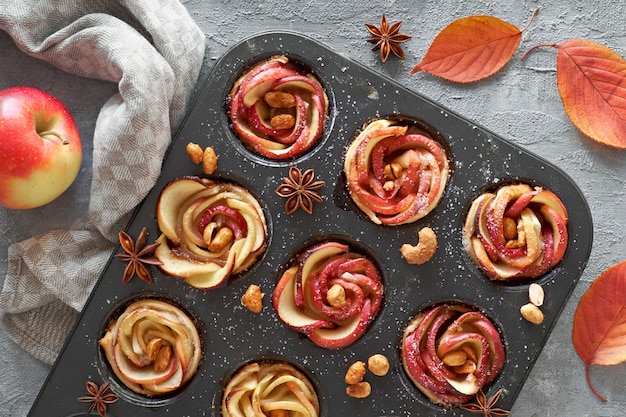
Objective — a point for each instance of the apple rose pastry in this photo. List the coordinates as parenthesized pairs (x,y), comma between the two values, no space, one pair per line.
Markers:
(267,389)
(395,173)
(517,232)
(153,347)
(330,294)
(278,110)
(210,230)
(450,352)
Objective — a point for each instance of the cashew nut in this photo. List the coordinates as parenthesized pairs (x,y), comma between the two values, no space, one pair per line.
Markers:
(424,250)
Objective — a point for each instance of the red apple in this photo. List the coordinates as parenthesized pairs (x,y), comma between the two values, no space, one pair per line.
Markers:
(40,148)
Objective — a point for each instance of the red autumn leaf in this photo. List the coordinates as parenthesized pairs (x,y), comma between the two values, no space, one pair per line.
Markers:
(471,48)
(599,332)
(592,82)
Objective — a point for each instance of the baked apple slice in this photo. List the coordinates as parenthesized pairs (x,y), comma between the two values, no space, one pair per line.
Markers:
(268,388)
(516,232)
(153,347)
(278,110)
(395,172)
(451,352)
(210,230)
(330,294)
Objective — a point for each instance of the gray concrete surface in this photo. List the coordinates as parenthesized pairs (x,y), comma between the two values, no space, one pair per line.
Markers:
(521,103)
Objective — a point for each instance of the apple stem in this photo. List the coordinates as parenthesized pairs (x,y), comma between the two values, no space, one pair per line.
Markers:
(62,138)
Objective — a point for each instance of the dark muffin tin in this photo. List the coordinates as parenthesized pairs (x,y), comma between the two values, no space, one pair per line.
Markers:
(232,335)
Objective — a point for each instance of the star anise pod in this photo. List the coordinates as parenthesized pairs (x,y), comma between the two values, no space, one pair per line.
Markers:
(387,37)
(138,256)
(486,406)
(99,397)
(300,190)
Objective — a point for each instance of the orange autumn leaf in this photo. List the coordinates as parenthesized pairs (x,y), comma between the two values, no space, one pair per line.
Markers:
(471,48)
(591,79)
(599,332)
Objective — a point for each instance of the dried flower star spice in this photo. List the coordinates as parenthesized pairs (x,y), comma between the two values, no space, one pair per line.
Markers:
(300,190)
(138,256)
(387,37)
(99,397)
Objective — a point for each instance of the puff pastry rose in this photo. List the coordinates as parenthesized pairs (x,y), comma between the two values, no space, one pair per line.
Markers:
(153,347)
(269,388)
(518,231)
(395,174)
(278,110)
(331,294)
(211,230)
(450,352)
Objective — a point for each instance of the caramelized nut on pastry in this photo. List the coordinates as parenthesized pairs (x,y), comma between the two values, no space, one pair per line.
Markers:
(378,364)
(336,296)
(355,373)
(280,99)
(359,390)
(283,121)
(253,299)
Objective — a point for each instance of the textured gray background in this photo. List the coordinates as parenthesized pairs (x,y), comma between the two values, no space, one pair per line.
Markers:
(521,103)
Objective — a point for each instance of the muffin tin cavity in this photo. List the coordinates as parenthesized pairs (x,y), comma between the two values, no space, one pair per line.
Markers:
(271,386)
(516,231)
(330,292)
(151,348)
(210,230)
(477,161)
(278,108)
(451,351)
(396,170)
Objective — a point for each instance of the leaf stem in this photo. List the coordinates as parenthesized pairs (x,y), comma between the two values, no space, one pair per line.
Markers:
(531,19)
(587,369)
(553,45)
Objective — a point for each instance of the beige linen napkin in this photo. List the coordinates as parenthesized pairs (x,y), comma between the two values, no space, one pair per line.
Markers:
(153,50)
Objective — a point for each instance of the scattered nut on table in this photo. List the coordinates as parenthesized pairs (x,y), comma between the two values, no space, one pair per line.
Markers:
(359,390)
(424,250)
(355,373)
(378,364)
(253,299)
(532,313)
